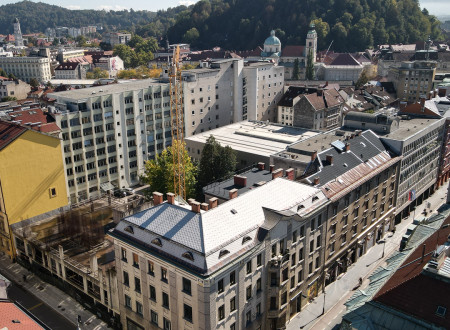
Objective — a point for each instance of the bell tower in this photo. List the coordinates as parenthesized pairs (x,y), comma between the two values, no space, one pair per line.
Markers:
(311,42)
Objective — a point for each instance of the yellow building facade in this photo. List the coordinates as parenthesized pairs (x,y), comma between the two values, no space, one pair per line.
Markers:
(32,179)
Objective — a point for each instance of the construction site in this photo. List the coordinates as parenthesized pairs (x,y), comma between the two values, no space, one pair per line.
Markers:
(70,248)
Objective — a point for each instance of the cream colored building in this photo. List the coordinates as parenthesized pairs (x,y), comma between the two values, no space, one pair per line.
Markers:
(27,67)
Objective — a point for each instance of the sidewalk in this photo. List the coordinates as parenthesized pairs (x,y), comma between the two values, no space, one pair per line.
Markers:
(338,292)
(52,296)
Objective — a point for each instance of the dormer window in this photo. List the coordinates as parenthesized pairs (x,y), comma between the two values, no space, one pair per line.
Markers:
(315,198)
(129,229)
(300,207)
(157,241)
(223,252)
(188,255)
(246,239)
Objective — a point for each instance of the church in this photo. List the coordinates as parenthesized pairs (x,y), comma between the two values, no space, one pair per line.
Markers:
(286,56)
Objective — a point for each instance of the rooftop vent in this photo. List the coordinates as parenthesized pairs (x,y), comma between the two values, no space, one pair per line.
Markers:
(233,211)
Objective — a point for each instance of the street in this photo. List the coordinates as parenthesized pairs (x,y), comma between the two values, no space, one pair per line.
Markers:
(41,310)
(338,292)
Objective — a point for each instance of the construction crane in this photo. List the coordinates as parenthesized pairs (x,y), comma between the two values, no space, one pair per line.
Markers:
(177,121)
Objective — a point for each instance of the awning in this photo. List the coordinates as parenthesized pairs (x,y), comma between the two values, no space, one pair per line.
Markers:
(107,186)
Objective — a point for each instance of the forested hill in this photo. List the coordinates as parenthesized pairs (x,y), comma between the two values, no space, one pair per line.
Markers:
(37,16)
(352,24)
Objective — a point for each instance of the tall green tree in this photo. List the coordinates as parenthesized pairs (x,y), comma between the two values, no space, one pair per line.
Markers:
(216,162)
(310,66)
(159,173)
(296,73)
(34,83)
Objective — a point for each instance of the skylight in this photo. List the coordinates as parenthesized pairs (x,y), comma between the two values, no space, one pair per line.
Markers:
(440,311)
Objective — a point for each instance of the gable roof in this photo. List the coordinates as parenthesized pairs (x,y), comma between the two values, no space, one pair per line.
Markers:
(345,59)
(9,132)
(293,51)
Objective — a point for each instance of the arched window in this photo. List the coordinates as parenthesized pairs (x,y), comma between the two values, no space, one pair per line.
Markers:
(223,252)
(129,229)
(157,241)
(246,239)
(188,255)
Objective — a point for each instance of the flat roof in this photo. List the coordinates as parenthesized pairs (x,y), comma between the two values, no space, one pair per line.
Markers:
(410,127)
(255,137)
(81,93)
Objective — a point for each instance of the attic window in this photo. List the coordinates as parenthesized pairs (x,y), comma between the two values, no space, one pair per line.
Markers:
(157,241)
(440,311)
(188,255)
(246,239)
(129,229)
(300,207)
(223,252)
(233,211)
(315,198)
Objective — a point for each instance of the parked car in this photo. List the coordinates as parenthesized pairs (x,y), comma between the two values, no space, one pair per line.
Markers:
(119,193)
(128,191)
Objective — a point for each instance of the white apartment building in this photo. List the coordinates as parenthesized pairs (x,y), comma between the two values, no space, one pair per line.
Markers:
(65,55)
(109,132)
(229,91)
(27,67)
(249,263)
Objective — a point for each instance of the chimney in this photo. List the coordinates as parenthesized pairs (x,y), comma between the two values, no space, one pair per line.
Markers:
(403,105)
(430,95)
(330,159)
(261,166)
(240,181)
(319,91)
(190,200)
(352,135)
(157,198)
(290,174)
(204,206)
(316,181)
(326,84)
(171,198)
(195,207)
(423,252)
(277,173)
(347,147)
(314,155)
(233,193)
(358,132)
(213,202)
(442,92)
(422,101)
(271,168)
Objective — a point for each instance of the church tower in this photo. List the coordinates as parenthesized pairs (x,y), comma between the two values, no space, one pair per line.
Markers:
(17,33)
(311,42)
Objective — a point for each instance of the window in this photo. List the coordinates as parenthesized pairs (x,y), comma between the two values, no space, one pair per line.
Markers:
(163,274)
(220,286)
(300,276)
(440,311)
(313,222)
(187,312)
(319,220)
(152,293)
(153,317)
(135,260)
(248,292)
(124,255)
(165,301)
(166,324)
(331,247)
(232,304)
(232,278)
(300,255)
(137,284)
(319,242)
(259,260)
(151,268)
(258,285)
(311,246)
(233,326)
(294,236)
(139,308)
(273,303)
(310,267)
(248,317)
(302,231)
(127,302)
(52,192)
(293,258)
(249,267)
(221,313)
(187,286)
(126,279)
(317,262)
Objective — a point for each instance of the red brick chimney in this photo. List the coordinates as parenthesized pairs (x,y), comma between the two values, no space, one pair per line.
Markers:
(157,198)
(358,132)
(195,207)
(290,174)
(314,155)
(233,193)
(316,181)
(330,159)
(204,206)
(213,202)
(422,101)
(240,181)
(277,173)
(171,198)
(441,92)
(347,147)
(261,166)
(271,168)
(190,200)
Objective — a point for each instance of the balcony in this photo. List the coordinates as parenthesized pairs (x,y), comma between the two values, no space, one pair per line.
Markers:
(279,260)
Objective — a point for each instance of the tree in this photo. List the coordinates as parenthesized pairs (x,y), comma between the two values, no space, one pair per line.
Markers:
(159,172)
(9,98)
(97,73)
(191,36)
(3,73)
(216,162)
(296,74)
(310,66)
(363,79)
(34,83)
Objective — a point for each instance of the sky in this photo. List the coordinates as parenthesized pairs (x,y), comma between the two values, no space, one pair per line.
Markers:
(435,7)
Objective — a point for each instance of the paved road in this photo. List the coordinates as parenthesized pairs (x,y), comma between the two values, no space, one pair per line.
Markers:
(38,308)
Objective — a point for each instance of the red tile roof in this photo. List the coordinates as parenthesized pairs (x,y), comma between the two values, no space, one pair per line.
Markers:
(293,51)
(415,293)
(10,312)
(29,116)
(9,132)
(344,59)
(48,128)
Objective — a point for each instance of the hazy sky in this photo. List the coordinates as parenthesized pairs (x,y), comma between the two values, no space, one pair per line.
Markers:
(435,7)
